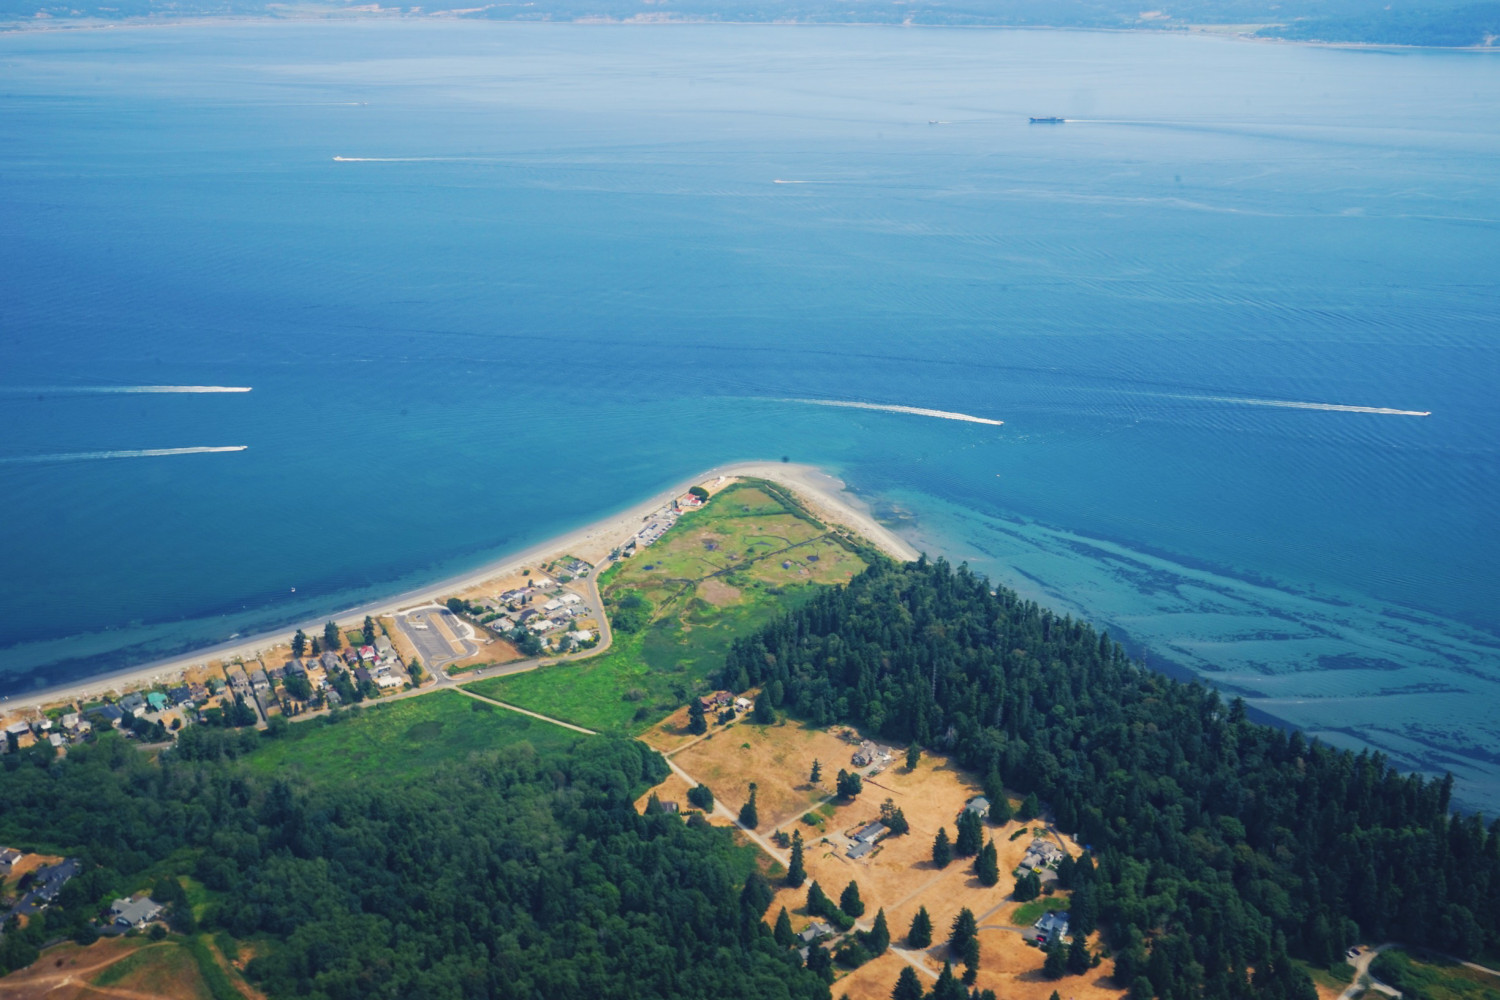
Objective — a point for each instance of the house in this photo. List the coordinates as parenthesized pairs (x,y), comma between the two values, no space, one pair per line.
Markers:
(180,694)
(18,729)
(688,501)
(259,681)
(57,741)
(542,625)
(351,656)
(581,635)
(8,857)
(362,676)
(108,714)
(387,681)
(743,704)
(716,700)
(70,720)
(670,806)
(978,804)
(383,646)
(815,930)
(330,660)
(134,912)
(859,849)
(132,703)
(1052,927)
(527,615)
(871,833)
(157,701)
(869,753)
(1041,855)
(199,693)
(367,652)
(571,599)
(552,605)
(276,674)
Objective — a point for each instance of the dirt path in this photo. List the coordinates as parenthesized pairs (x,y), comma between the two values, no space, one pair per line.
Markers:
(1362,973)
(40,980)
(523,711)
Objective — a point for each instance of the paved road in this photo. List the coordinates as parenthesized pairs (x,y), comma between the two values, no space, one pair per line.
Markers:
(46,883)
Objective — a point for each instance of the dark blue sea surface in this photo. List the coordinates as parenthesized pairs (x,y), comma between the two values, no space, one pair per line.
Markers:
(488,282)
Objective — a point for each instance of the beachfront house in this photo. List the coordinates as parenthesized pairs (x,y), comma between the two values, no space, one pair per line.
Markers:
(180,694)
(157,701)
(132,704)
(383,646)
(259,681)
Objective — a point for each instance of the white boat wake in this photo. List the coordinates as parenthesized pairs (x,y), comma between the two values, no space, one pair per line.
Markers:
(1295,405)
(83,456)
(918,411)
(59,389)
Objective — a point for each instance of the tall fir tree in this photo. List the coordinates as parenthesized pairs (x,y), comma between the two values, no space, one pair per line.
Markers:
(920,933)
(970,834)
(749,816)
(697,720)
(850,902)
(965,927)
(785,936)
(987,865)
(908,986)
(796,874)
(879,938)
(942,850)
(817,772)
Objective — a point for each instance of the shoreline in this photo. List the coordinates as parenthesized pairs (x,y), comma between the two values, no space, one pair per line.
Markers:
(826,496)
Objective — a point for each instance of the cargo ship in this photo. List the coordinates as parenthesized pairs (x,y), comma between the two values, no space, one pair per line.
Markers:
(1048,121)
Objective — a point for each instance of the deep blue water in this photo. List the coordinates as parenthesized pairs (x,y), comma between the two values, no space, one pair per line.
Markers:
(559,274)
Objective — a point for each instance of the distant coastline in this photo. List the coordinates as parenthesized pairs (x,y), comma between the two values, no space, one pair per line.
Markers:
(1294,32)
(822,493)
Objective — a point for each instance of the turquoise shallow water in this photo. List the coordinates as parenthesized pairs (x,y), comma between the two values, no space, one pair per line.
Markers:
(555,271)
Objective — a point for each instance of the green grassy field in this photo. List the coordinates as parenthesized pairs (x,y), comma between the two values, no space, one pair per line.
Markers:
(389,743)
(1029,913)
(721,572)
(1434,978)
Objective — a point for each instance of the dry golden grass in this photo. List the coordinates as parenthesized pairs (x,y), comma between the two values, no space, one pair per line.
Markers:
(899,876)
(777,758)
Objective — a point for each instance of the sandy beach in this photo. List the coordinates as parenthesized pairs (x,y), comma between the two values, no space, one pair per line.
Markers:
(822,494)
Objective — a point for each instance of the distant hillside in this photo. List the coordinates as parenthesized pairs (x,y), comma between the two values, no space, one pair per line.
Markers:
(1368,21)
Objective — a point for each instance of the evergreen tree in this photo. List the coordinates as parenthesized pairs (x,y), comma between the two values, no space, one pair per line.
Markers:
(879,938)
(987,865)
(1056,964)
(1029,808)
(994,786)
(849,784)
(332,638)
(965,927)
(817,772)
(785,936)
(1083,912)
(920,934)
(299,643)
(697,721)
(369,631)
(947,987)
(1079,959)
(893,818)
(818,903)
(700,796)
(970,834)
(1054,996)
(971,958)
(1028,887)
(796,874)
(913,755)
(942,851)
(849,900)
(819,961)
(314,647)
(908,986)
(749,817)
(765,712)
(1000,811)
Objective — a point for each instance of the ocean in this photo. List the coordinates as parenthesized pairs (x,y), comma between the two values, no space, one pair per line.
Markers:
(487,282)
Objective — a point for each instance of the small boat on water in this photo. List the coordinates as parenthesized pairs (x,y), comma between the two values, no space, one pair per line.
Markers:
(1048,121)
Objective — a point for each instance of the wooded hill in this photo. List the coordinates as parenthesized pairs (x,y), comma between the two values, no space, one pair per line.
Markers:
(1221,844)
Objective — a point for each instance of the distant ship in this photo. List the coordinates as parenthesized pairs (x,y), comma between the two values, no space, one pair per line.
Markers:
(1048,121)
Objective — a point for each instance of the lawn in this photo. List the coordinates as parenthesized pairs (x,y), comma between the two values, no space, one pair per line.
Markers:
(1029,913)
(176,967)
(720,573)
(1434,978)
(399,740)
